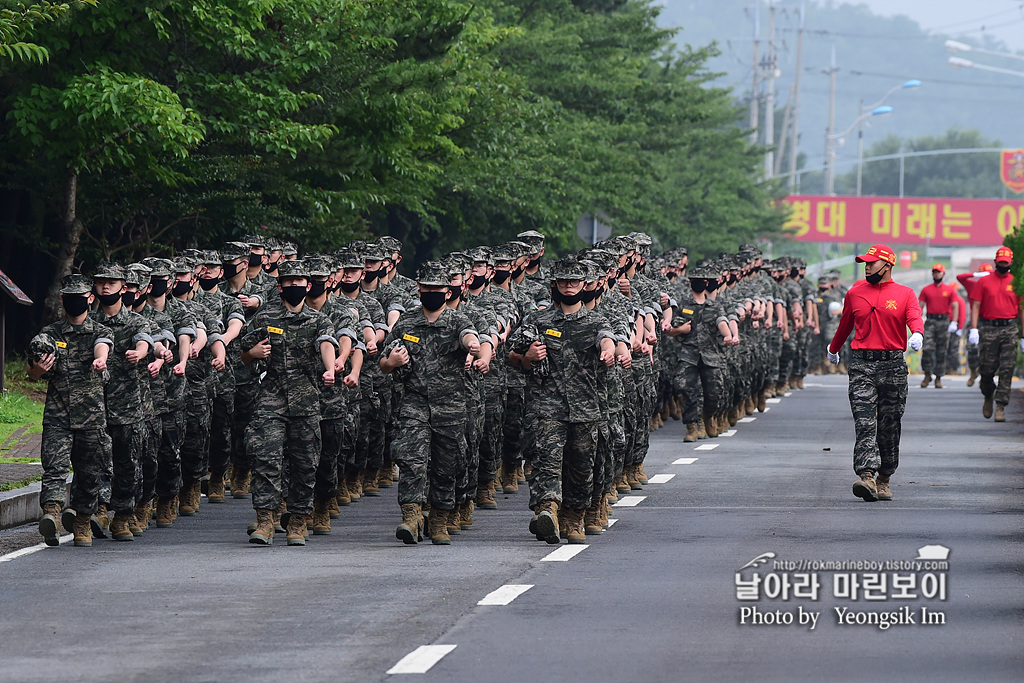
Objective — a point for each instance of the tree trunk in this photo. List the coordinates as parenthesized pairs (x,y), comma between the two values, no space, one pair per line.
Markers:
(71,229)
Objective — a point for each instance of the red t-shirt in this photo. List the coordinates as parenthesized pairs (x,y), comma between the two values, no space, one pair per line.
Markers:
(882,313)
(938,298)
(998,300)
(963,309)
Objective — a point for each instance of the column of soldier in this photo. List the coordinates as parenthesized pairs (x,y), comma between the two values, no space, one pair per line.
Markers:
(310,384)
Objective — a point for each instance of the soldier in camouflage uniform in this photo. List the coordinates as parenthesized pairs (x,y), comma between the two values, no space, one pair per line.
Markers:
(296,347)
(72,355)
(428,347)
(560,349)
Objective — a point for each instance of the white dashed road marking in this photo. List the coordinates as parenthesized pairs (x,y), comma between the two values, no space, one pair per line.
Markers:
(505,594)
(730,432)
(773,400)
(420,660)
(629,501)
(32,549)
(565,553)
(685,461)
(660,478)
(706,447)
(745,420)
(611,523)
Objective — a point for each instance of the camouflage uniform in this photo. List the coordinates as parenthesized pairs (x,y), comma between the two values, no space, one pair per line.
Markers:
(878,397)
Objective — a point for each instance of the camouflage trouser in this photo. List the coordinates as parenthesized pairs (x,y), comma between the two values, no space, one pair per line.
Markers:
(604,462)
(244,407)
(429,459)
(168,466)
(563,470)
(933,349)
(953,354)
(644,379)
(617,429)
(787,356)
(467,480)
(87,450)
(804,342)
(512,428)
(491,440)
(220,432)
(332,437)
(347,452)
(878,397)
(195,446)
(997,354)
(274,442)
(127,443)
(146,473)
(687,383)
(370,435)
(973,361)
(774,344)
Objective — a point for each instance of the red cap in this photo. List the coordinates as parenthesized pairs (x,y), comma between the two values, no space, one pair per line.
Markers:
(1004,254)
(878,252)
(986,268)
(939,267)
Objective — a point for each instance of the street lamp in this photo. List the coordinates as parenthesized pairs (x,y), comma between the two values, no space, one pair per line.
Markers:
(957,46)
(906,85)
(830,174)
(961,63)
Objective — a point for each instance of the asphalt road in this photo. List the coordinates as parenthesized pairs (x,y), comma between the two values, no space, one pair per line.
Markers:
(653,599)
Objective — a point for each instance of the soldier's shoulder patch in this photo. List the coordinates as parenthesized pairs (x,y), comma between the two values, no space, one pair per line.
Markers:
(891,305)
(553,333)
(275,330)
(411,338)
(688,311)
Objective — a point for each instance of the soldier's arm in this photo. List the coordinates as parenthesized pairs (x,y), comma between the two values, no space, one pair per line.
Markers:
(99,354)
(234,329)
(36,370)
(975,308)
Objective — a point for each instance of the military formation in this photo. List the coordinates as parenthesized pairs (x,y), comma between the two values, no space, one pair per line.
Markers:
(307,385)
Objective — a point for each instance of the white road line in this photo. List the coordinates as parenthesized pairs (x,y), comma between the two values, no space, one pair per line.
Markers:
(685,461)
(611,523)
(706,447)
(660,478)
(728,432)
(505,594)
(745,420)
(564,554)
(773,400)
(31,549)
(788,394)
(420,660)
(629,501)
(767,409)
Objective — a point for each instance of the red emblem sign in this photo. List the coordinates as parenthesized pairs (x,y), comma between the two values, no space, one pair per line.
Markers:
(1011,169)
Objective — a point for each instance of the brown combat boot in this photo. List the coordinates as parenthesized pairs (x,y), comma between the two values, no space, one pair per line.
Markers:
(353,485)
(546,526)
(263,534)
(750,405)
(465,517)
(101,521)
(83,530)
(296,532)
(240,482)
(882,488)
(592,525)
(641,474)
(972,378)
(520,473)
(631,478)
(999,416)
(333,511)
(938,382)
(278,518)
(926,380)
(186,505)
(509,480)
(710,427)
(666,410)
(164,512)
(134,523)
(438,524)
(409,531)
(734,415)
(762,402)
(321,523)
(49,523)
(865,486)
(986,408)
(702,433)
(144,513)
(384,474)
(452,521)
(800,383)
(119,530)
(216,490)
(485,499)
(621,484)
(573,519)
(342,498)
(691,432)
(370,487)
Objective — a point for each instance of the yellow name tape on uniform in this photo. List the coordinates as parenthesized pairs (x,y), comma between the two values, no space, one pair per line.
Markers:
(410,338)
(553,333)
(62,345)
(275,330)
(687,311)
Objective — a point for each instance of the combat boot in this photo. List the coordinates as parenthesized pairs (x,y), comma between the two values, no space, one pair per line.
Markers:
(342,498)
(466,515)
(575,532)
(452,521)
(702,432)
(278,518)
(710,427)
(438,525)
(485,499)
(734,416)
(865,486)
(321,524)
(621,484)
(641,474)
(677,408)
(263,534)
(546,526)
(240,482)
(49,523)
(186,506)
(119,530)
(67,520)
(666,411)
(509,481)
(613,496)
(606,509)
(631,478)
(938,382)
(296,532)
(83,530)
(384,476)
(333,511)
(144,513)
(409,530)
(750,407)
(762,402)
(999,416)
(216,490)
(972,378)
(520,473)
(986,408)
(592,519)
(882,488)
(370,487)
(101,520)
(164,512)
(691,432)
(134,525)
(926,381)
(353,485)
(800,383)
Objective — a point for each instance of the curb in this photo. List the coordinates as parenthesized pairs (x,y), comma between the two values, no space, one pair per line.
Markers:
(21,506)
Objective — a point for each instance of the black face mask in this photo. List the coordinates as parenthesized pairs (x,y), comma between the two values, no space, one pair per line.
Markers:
(230,270)
(794,273)
(1003,268)
(181,288)
(780,278)
(158,288)
(208,283)
(588,296)
(500,276)
(293,294)
(822,290)
(317,287)
(478,281)
(560,298)
(75,304)
(732,279)
(432,301)
(255,260)
(349,287)
(937,280)
(533,263)
(876,278)
(698,286)
(271,267)
(456,291)
(371,275)
(108,299)
(129,299)
(671,276)
(517,272)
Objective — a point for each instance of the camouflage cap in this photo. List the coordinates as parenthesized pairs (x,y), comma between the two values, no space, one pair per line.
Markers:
(627,242)
(461,261)
(348,258)
(319,266)
(137,274)
(273,244)
(289,249)
(503,253)
(642,239)
(481,255)
(568,268)
(193,254)
(391,244)
(522,248)
(209,257)
(824,280)
(603,258)
(233,250)
(75,284)
(593,270)
(433,274)
(294,268)
(159,267)
(703,272)
(182,265)
(109,271)
(375,251)
(613,247)
(255,240)
(533,238)
(41,345)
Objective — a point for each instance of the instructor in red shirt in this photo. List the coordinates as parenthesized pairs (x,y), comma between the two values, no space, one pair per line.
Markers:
(881,310)
(942,311)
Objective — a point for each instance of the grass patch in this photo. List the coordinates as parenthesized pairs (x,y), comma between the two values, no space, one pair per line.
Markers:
(17,410)
(11,485)
(17,461)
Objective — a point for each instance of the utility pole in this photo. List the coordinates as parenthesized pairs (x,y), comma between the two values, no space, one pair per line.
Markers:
(829,161)
(794,130)
(754,99)
(769,104)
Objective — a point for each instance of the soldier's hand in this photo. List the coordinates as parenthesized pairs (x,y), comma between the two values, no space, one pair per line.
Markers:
(371,347)
(329,378)
(626,361)
(666,325)
(624,286)
(339,365)
(132,356)
(664,300)
(785,335)
(651,338)
(46,362)
(973,337)
(832,357)
(244,300)
(261,350)
(483,366)
(167,356)
(473,345)
(779,324)
(399,356)
(99,365)
(817,330)
(468,364)
(218,364)
(193,352)
(645,348)
(154,367)
(178,370)
(351,380)
(608,357)
(536,352)
(755,324)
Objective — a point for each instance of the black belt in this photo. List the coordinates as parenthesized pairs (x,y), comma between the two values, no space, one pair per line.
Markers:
(998,322)
(877,354)
(938,316)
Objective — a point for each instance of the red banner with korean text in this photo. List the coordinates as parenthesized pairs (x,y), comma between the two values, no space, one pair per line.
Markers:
(907,220)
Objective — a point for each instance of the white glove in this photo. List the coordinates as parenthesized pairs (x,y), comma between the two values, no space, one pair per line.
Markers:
(916,340)
(833,358)
(981,273)
(953,327)
(973,337)
(959,332)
